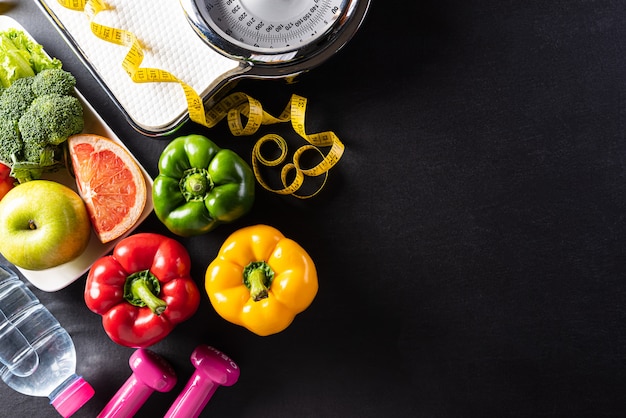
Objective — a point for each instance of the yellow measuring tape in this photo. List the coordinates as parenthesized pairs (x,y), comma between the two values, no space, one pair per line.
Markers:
(233,107)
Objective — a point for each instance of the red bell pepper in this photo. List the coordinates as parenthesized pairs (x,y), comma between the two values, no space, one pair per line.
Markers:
(6,182)
(143,289)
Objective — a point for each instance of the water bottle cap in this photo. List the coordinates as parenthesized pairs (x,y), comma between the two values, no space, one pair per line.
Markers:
(73,397)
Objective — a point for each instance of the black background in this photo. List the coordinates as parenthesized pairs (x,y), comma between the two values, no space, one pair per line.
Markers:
(469,244)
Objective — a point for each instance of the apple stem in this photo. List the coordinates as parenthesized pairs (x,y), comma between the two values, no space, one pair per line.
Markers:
(32,225)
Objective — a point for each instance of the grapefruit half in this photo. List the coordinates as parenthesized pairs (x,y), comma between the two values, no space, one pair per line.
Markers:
(110,183)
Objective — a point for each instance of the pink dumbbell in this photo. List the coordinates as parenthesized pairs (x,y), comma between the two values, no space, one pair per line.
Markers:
(150,372)
(213,369)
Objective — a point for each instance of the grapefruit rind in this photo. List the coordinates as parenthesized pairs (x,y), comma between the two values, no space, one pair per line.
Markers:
(110,182)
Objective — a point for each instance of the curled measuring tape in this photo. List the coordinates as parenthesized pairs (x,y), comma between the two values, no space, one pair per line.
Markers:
(238,105)
(234,107)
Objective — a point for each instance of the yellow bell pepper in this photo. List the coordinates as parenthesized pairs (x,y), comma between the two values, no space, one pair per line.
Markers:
(261,280)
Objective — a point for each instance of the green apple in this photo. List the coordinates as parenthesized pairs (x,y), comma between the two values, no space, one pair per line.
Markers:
(42,224)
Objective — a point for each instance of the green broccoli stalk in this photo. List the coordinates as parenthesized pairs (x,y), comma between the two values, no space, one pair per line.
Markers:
(42,159)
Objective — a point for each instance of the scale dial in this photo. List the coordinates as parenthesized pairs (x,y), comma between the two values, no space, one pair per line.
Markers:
(272,26)
(272,31)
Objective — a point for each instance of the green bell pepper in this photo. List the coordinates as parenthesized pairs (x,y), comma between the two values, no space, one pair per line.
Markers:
(200,186)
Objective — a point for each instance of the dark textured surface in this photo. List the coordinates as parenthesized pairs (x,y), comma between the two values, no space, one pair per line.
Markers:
(470,243)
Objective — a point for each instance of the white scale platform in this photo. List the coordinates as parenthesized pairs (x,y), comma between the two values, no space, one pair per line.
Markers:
(169,43)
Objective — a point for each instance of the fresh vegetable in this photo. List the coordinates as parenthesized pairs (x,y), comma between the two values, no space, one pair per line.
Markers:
(261,280)
(21,57)
(16,99)
(36,116)
(50,120)
(54,81)
(200,186)
(38,110)
(143,289)
(6,181)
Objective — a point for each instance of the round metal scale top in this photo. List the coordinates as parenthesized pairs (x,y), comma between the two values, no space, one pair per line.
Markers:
(276,33)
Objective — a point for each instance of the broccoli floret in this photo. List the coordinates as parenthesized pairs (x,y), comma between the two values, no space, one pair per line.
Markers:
(53,81)
(51,119)
(10,141)
(16,99)
(47,123)
(37,111)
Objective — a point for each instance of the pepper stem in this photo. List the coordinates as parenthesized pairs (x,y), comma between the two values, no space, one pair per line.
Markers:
(258,277)
(195,184)
(141,289)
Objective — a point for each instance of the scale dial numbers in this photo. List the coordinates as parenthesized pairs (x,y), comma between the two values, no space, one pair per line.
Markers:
(273,26)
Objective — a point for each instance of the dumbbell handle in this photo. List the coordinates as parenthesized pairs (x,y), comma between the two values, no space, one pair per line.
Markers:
(150,372)
(213,369)
(128,399)
(193,398)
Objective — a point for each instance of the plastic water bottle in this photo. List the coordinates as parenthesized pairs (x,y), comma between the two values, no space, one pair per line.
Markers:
(37,354)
